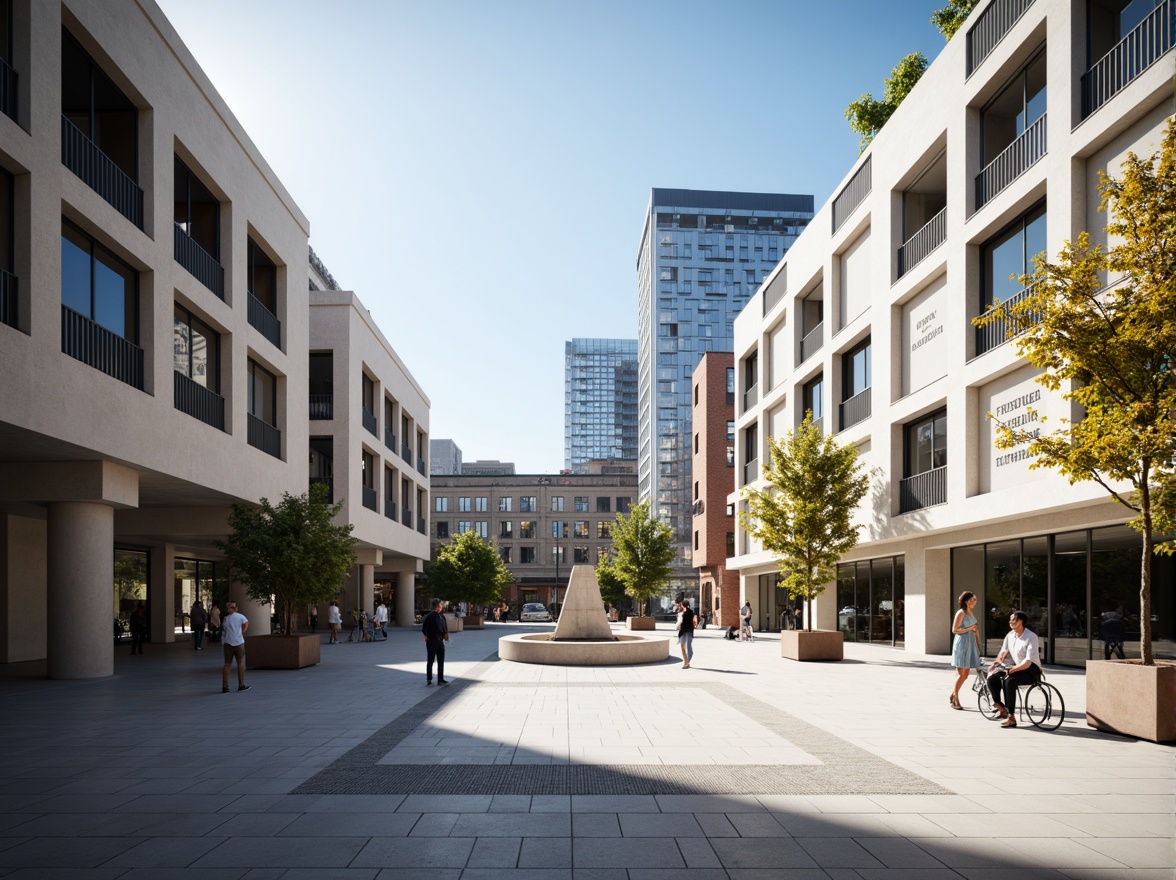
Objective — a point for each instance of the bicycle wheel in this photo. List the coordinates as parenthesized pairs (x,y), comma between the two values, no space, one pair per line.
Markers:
(984,701)
(1055,707)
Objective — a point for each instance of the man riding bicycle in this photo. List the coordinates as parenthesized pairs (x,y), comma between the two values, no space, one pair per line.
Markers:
(1020,647)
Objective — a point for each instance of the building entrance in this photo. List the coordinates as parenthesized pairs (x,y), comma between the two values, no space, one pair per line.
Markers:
(197,579)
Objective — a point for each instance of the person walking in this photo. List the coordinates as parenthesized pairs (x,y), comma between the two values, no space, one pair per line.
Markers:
(138,624)
(199,620)
(382,618)
(965,644)
(236,625)
(436,632)
(335,621)
(745,613)
(313,618)
(214,622)
(685,630)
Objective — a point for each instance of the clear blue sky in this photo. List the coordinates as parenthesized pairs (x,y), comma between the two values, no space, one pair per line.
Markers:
(477,171)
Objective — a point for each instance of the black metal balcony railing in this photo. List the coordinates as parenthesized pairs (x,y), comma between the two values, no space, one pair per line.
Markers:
(776,290)
(923,490)
(103,350)
(322,406)
(406,453)
(927,239)
(9,313)
(199,262)
(750,396)
(261,318)
(9,81)
(369,422)
(390,440)
(1006,325)
(990,28)
(1134,54)
(856,409)
(329,483)
(199,402)
(751,472)
(420,464)
(819,424)
(853,194)
(812,342)
(369,497)
(421,525)
(264,436)
(390,509)
(1013,161)
(406,517)
(81,156)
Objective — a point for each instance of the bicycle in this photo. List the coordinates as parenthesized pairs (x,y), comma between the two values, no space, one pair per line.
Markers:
(745,634)
(1041,703)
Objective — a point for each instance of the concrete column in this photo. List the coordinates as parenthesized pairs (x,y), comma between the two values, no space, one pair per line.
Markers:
(929,615)
(367,583)
(79,590)
(258,614)
(161,593)
(405,598)
(22,589)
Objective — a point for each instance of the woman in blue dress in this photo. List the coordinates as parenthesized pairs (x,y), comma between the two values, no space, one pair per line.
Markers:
(965,647)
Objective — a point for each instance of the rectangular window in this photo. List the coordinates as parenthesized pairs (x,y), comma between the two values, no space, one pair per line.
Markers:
(581,504)
(527,528)
(480,504)
(504,504)
(506,529)
(1010,113)
(730,444)
(926,444)
(463,526)
(559,555)
(580,555)
(528,504)
(603,529)
(526,555)
(98,285)
(442,529)
(463,504)
(262,277)
(814,397)
(603,504)
(100,111)
(1009,255)
(855,370)
(504,554)
(197,211)
(580,529)
(623,503)
(262,397)
(482,529)
(559,529)
(442,503)
(196,350)
(557,504)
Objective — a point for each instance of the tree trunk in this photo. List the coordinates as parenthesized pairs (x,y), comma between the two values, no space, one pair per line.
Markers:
(1145,642)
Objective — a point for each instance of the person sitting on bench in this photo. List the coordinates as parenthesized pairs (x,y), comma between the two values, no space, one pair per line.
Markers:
(1020,646)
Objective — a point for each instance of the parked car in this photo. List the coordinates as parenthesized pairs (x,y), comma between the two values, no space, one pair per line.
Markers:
(535,612)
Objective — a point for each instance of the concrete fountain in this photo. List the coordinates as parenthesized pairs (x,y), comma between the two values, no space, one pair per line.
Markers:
(582,636)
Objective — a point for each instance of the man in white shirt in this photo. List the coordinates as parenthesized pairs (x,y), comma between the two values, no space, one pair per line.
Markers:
(1020,647)
(382,618)
(235,625)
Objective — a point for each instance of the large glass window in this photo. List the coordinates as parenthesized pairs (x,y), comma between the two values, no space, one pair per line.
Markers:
(197,211)
(926,444)
(1019,105)
(98,285)
(196,350)
(92,102)
(1009,255)
(262,387)
(527,528)
(130,584)
(856,370)
(814,397)
(1070,610)
(262,277)
(504,504)
(870,600)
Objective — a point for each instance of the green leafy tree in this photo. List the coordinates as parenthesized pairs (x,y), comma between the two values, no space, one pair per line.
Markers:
(951,17)
(806,517)
(643,551)
(867,116)
(468,569)
(612,590)
(289,554)
(1111,349)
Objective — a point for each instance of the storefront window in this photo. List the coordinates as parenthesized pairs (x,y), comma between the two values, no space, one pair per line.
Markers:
(130,585)
(1035,588)
(1070,614)
(197,579)
(870,598)
(1002,591)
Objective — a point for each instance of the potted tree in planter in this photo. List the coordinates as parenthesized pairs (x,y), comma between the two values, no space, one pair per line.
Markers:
(290,555)
(1110,349)
(468,570)
(806,520)
(642,552)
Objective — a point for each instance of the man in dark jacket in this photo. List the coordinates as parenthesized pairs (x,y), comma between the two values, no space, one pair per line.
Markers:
(436,633)
(199,619)
(685,630)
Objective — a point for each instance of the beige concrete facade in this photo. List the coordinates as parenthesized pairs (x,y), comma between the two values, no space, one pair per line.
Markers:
(863,274)
(164,380)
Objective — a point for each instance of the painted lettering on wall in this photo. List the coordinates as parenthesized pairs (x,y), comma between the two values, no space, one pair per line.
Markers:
(924,326)
(1016,414)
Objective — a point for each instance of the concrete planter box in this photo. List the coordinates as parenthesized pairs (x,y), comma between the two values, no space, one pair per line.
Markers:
(1124,696)
(640,623)
(474,621)
(282,652)
(820,644)
(453,622)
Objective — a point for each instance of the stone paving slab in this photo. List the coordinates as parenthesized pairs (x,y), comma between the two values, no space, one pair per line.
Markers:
(745,767)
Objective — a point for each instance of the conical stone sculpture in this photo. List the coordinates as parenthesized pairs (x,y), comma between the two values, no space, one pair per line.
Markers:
(582,617)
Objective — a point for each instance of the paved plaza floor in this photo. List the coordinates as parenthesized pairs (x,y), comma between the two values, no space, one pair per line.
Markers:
(743,766)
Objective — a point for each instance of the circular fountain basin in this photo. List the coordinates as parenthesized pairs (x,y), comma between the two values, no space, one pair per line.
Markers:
(625,650)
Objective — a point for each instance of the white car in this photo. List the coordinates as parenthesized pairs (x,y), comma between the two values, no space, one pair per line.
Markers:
(535,612)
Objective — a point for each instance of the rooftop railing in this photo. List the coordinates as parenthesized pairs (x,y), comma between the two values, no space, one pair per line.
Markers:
(1134,54)
(994,22)
(928,238)
(923,490)
(1013,161)
(93,344)
(199,402)
(199,262)
(81,156)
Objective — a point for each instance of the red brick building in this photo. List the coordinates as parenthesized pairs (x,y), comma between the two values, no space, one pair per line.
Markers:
(713,461)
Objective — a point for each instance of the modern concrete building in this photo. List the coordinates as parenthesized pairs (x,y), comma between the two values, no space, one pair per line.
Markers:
(600,401)
(713,467)
(444,458)
(868,322)
(369,433)
(702,256)
(147,239)
(542,524)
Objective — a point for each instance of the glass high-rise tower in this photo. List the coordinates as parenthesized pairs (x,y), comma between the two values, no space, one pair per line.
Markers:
(600,401)
(703,255)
